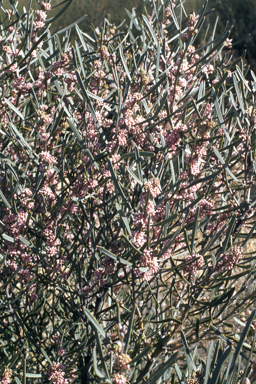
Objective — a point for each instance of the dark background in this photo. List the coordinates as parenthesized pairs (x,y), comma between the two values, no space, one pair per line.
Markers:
(240,13)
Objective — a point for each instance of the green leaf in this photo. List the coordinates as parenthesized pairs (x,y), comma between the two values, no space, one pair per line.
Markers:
(166,221)
(41,38)
(14,360)
(25,241)
(167,210)
(81,67)
(46,356)
(142,154)
(124,219)
(220,363)
(8,238)
(249,358)
(144,352)
(245,82)
(14,109)
(219,41)
(194,228)
(240,344)
(88,101)
(81,142)
(208,364)
(249,234)
(238,94)
(131,245)
(150,30)
(221,81)
(134,176)
(216,104)
(213,239)
(22,140)
(187,351)
(158,59)
(119,190)
(239,322)
(94,322)
(95,367)
(229,233)
(34,375)
(218,300)
(57,121)
(156,86)
(220,335)
(187,241)
(174,18)
(129,331)
(161,370)
(15,9)
(167,320)
(137,157)
(167,246)
(114,257)
(178,371)
(39,182)
(5,201)
(103,362)
(124,62)
(133,19)
(215,150)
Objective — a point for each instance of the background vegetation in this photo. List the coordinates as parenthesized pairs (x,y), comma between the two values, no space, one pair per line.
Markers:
(239,13)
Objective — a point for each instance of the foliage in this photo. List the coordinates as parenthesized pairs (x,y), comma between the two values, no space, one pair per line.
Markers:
(127,199)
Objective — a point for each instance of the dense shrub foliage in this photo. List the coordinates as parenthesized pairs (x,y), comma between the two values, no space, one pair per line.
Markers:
(127,201)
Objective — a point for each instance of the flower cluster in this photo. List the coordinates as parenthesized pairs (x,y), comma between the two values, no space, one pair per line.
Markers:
(6,377)
(194,263)
(56,373)
(122,362)
(118,378)
(230,259)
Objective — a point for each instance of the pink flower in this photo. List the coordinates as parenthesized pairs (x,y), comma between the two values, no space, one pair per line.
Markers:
(109,266)
(104,52)
(46,6)
(122,362)
(208,69)
(25,275)
(138,238)
(150,262)
(6,378)
(230,259)
(57,374)
(48,158)
(117,378)
(153,187)
(196,265)
(150,210)
(41,15)
(98,275)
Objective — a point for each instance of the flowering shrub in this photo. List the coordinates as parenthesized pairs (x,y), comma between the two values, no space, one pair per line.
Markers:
(127,199)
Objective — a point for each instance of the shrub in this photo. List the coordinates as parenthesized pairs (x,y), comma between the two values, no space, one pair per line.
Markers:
(127,200)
